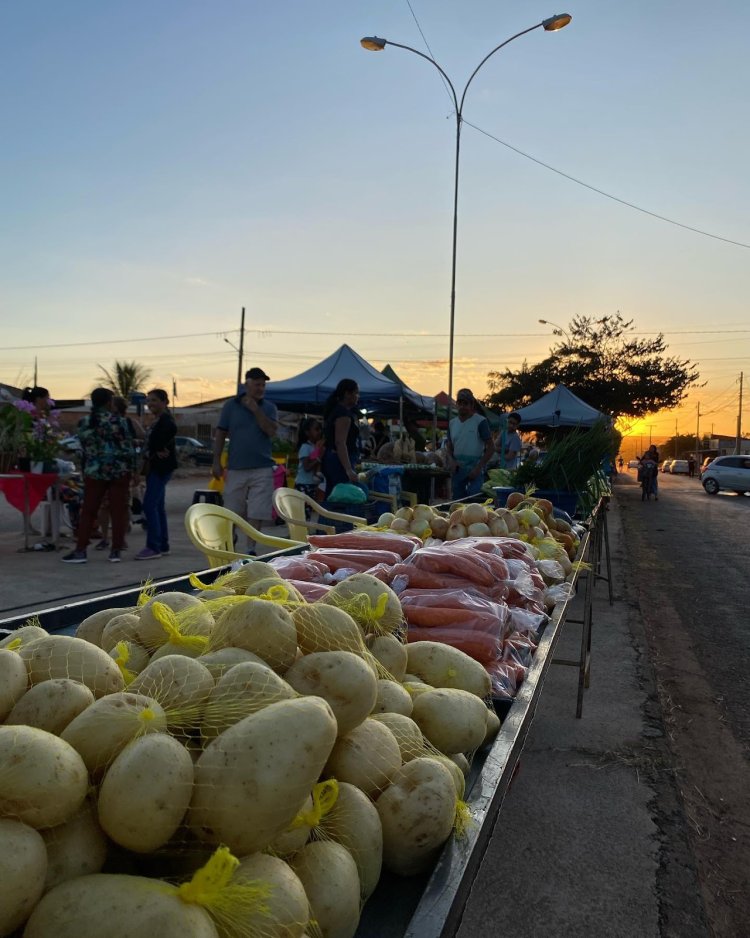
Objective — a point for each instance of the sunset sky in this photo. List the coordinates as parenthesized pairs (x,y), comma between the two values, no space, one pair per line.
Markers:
(166,163)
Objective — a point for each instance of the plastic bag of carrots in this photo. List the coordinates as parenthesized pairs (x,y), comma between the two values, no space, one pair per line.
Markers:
(402,544)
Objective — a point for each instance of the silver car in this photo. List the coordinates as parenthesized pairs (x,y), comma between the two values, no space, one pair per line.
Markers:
(727,473)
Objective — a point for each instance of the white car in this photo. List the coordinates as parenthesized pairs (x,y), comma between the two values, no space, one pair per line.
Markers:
(666,464)
(634,463)
(730,473)
(679,467)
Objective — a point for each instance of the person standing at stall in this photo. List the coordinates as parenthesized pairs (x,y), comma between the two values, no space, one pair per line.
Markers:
(341,434)
(469,446)
(160,463)
(250,422)
(108,457)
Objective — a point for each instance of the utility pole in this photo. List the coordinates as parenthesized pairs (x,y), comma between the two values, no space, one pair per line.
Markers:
(36,379)
(697,433)
(675,438)
(650,431)
(242,348)
(738,442)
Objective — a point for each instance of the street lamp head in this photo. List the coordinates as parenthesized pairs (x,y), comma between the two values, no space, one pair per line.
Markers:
(553,23)
(375,44)
(543,322)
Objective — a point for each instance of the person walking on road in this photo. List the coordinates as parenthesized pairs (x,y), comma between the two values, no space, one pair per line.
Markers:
(250,422)
(691,467)
(108,464)
(161,462)
(469,446)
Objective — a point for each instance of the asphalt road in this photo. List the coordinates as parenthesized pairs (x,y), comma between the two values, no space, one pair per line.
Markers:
(689,564)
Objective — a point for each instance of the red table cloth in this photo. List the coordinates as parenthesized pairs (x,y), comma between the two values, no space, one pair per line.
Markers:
(37,483)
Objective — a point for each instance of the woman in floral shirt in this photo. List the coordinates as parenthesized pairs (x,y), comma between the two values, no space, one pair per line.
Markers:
(108,464)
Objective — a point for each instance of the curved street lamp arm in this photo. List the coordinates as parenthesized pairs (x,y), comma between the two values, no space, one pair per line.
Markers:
(423,56)
(489,55)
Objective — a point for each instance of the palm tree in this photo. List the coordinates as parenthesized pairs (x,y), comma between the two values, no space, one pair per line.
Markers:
(126,377)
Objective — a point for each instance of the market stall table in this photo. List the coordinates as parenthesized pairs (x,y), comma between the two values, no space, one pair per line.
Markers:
(25,491)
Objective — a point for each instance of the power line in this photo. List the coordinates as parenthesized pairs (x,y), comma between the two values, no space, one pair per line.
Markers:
(607,195)
(147,338)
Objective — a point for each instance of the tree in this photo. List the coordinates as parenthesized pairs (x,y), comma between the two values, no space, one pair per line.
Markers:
(126,377)
(598,360)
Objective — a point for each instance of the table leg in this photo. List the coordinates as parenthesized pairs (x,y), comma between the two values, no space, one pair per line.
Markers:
(26,513)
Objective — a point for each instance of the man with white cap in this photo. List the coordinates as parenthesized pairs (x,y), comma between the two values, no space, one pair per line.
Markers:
(469,446)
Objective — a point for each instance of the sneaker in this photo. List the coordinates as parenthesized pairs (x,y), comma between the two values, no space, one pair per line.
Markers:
(114,556)
(165,552)
(102,545)
(75,556)
(147,554)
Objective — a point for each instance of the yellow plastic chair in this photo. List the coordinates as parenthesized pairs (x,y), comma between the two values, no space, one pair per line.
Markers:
(211,529)
(290,505)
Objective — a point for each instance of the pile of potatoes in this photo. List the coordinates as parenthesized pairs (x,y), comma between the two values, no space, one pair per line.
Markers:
(528,519)
(288,749)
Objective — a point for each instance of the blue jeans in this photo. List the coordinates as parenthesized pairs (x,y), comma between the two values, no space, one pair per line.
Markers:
(463,486)
(157,534)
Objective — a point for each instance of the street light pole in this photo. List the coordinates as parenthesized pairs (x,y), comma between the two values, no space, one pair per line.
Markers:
(557,330)
(376,44)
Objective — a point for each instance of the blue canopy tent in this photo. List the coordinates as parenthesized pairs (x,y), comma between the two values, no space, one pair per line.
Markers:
(559,408)
(307,392)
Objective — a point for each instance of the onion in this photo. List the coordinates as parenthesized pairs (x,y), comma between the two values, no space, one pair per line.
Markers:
(385,519)
(400,524)
(405,513)
(475,514)
(422,513)
(455,531)
(478,529)
(456,516)
(419,527)
(498,527)
(439,527)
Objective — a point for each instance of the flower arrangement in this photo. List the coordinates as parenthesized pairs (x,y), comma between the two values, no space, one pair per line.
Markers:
(26,433)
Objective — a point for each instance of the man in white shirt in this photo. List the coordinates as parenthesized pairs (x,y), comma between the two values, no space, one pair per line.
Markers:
(469,446)
(513,442)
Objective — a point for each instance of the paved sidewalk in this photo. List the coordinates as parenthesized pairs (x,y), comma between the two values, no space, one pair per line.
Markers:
(35,580)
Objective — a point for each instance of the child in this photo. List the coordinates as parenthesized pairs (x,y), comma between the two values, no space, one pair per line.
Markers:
(310,457)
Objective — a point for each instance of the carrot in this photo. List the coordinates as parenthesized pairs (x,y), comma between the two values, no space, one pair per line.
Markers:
(477,645)
(356,559)
(460,619)
(402,544)
(309,591)
(471,567)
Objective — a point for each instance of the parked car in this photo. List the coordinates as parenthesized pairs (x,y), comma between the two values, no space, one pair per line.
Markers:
(728,473)
(634,463)
(679,467)
(666,464)
(193,452)
(704,465)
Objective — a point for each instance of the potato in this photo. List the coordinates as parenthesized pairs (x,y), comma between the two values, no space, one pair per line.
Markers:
(390,652)
(417,812)
(277,590)
(411,742)
(287,909)
(252,780)
(75,848)
(368,757)
(146,792)
(361,595)
(493,726)
(452,720)
(51,705)
(443,666)
(23,866)
(244,689)
(294,838)
(188,649)
(23,636)
(14,680)
(392,698)
(130,655)
(122,628)
(109,724)
(106,904)
(341,678)
(181,685)
(219,662)
(90,630)
(415,688)
(63,656)
(193,615)
(459,759)
(326,628)
(330,879)
(354,823)
(43,780)
(262,627)
(454,768)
